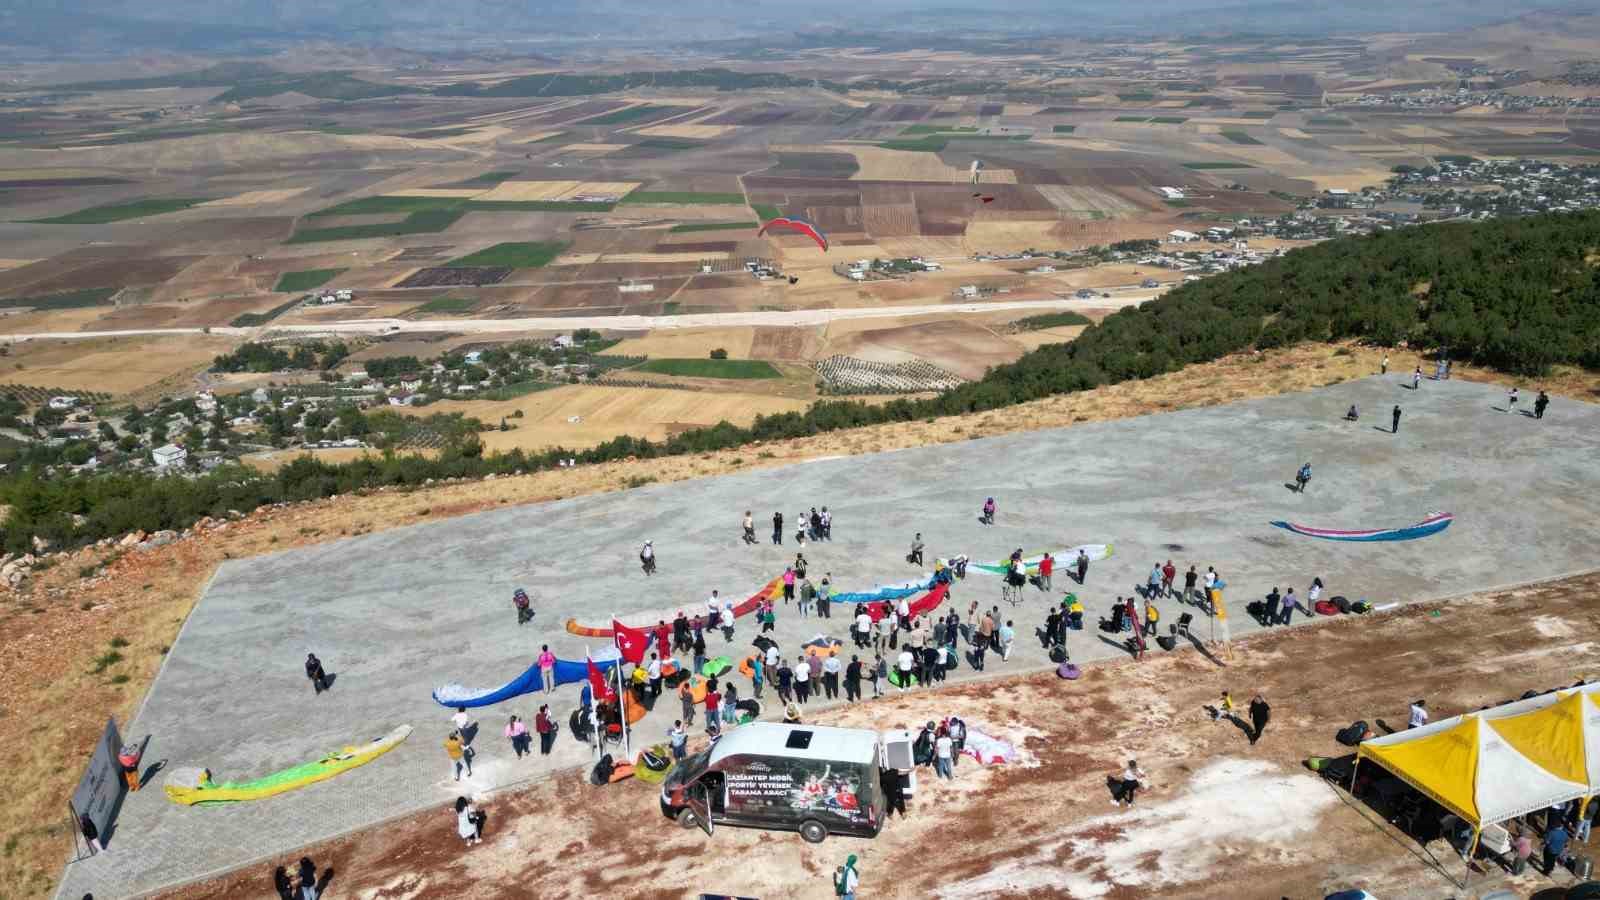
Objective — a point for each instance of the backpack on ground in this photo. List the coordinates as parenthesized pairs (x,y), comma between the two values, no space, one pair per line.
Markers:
(601,774)
(1351,736)
(1342,604)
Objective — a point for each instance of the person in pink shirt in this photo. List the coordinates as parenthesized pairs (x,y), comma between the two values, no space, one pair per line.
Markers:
(517,731)
(547,669)
(788,585)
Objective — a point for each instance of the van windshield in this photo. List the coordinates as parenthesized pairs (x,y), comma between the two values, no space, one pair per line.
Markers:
(692,767)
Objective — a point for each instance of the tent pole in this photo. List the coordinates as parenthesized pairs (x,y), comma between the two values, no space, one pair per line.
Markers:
(1353,769)
(1472,853)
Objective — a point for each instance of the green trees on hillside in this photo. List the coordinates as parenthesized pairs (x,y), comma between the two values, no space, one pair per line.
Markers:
(1520,295)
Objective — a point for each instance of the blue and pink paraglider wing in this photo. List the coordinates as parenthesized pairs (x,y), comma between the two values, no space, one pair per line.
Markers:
(799,226)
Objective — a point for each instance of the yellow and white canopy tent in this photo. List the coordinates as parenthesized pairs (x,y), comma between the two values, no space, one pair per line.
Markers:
(1500,763)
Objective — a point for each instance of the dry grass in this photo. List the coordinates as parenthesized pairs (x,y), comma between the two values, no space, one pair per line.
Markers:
(555,190)
(258,198)
(693,132)
(116,366)
(52,631)
(689,343)
(879,164)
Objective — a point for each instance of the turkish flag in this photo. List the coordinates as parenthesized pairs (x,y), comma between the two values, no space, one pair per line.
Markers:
(631,642)
(597,683)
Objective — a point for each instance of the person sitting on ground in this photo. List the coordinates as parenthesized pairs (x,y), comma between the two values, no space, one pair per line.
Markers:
(791,715)
(1352,415)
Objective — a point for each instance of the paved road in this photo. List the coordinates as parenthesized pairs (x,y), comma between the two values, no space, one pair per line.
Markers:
(397,613)
(771,318)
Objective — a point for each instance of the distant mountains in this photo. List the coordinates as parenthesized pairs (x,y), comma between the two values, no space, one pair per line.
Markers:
(33,28)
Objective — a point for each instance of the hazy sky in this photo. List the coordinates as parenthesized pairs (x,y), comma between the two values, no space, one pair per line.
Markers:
(219,24)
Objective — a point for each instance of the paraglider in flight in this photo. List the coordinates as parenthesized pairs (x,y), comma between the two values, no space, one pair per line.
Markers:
(800,226)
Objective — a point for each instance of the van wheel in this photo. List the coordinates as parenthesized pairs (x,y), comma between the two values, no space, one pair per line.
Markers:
(812,831)
(686,818)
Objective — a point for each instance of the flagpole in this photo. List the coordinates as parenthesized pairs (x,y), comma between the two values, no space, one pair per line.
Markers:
(594,706)
(622,707)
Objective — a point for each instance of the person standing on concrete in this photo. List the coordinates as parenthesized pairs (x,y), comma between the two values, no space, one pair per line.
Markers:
(1511,400)
(1394,427)
(1416,379)
(821,595)
(699,652)
(1302,478)
(749,525)
(827,524)
(880,676)
(788,584)
(713,707)
(517,733)
(654,671)
(1270,611)
(769,617)
(1152,616)
(1190,578)
(519,600)
(988,512)
(758,674)
(1419,714)
(1383,367)
(816,524)
(546,728)
(808,594)
(802,680)
(1168,573)
(771,668)
(319,678)
(852,680)
(777,528)
(915,556)
(663,638)
(647,558)
(547,669)
(1008,635)
(1152,582)
(1047,567)
(1260,713)
(862,631)
(1539,405)
(727,621)
(830,677)
(686,698)
(1290,604)
(1083,566)
(456,749)
(903,666)
(785,682)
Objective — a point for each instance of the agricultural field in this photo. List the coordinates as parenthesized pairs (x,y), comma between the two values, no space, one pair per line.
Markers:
(513,255)
(118,212)
(297,282)
(737,369)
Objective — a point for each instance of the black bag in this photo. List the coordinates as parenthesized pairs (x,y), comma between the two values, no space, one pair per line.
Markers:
(1361,607)
(1341,603)
(1168,642)
(1058,654)
(676,678)
(1257,610)
(601,773)
(1351,736)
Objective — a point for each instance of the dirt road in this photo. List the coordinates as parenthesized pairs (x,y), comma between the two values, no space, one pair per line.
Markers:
(1219,810)
(768,318)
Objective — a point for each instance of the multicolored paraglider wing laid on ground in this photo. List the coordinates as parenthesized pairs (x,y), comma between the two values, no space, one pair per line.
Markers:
(771,591)
(1431,525)
(1065,559)
(566,672)
(191,786)
(796,225)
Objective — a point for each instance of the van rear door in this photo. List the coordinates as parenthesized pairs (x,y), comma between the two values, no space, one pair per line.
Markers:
(694,797)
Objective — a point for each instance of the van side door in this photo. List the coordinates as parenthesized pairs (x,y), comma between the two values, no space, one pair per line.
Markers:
(694,796)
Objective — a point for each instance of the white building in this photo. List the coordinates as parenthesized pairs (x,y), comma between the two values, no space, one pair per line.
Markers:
(968,290)
(168,456)
(260,395)
(63,402)
(1170,193)
(1179,236)
(205,402)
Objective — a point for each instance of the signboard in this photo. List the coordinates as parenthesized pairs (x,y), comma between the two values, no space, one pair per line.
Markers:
(780,788)
(102,787)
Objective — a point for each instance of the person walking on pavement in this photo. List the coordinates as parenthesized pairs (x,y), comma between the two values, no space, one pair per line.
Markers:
(827,524)
(1394,426)
(880,676)
(1270,611)
(915,556)
(546,728)
(654,671)
(1151,617)
(1260,713)
(777,528)
(319,678)
(788,584)
(1083,566)
(1152,582)
(727,621)
(1302,478)
(457,751)
(1416,379)
(1511,400)
(802,680)
(713,707)
(749,525)
(1383,367)
(647,558)
(1008,635)
(699,652)
(1190,578)
(1539,404)
(547,669)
